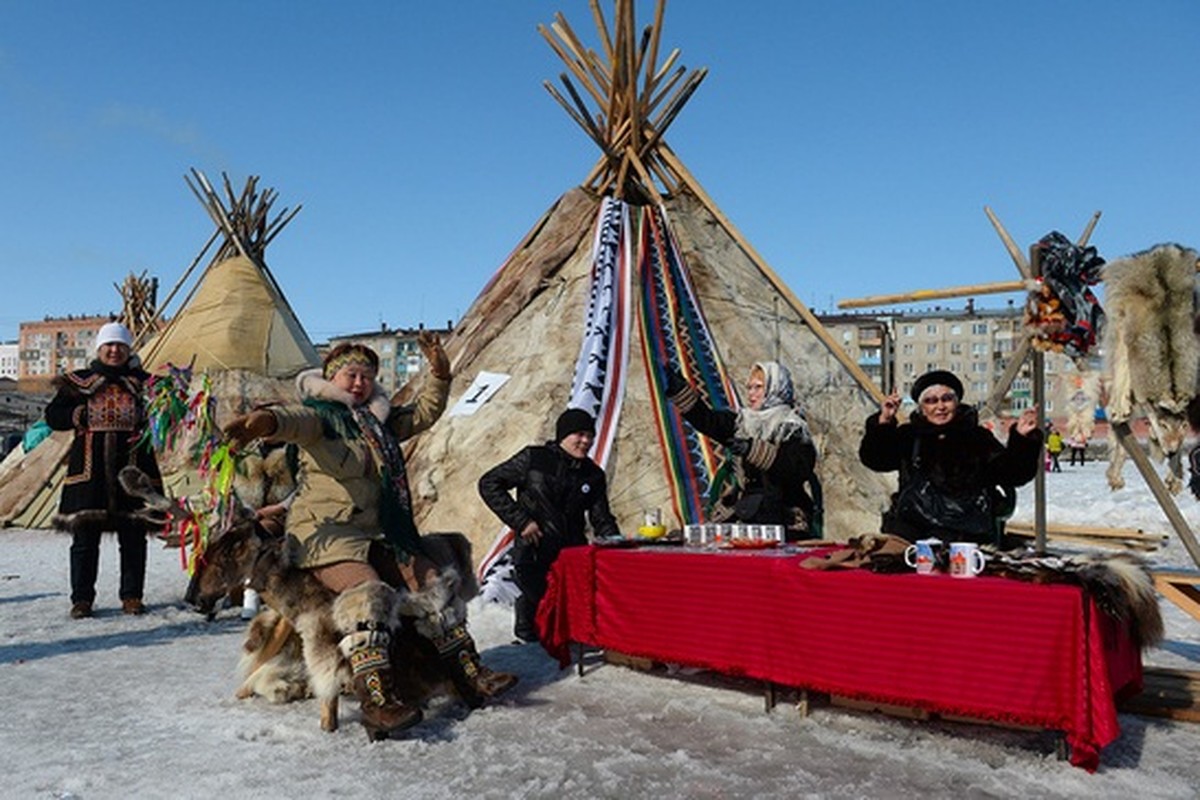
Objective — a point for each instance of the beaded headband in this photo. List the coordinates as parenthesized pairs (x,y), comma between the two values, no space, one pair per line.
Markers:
(344,360)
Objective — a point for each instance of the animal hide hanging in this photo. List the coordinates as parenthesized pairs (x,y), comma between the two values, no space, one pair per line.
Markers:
(1151,347)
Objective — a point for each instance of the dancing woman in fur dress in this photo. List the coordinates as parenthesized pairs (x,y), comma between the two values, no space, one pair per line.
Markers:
(949,465)
(351,522)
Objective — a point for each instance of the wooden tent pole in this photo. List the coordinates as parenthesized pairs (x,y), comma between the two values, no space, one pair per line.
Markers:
(919,295)
(1161,494)
(656,28)
(1087,230)
(642,172)
(864,381)
(1039,402)
(1015,252)
(602,27)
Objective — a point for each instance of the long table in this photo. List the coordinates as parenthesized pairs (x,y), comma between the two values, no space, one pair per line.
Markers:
(989,648)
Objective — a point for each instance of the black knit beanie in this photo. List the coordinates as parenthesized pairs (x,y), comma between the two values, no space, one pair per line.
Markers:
(573,420)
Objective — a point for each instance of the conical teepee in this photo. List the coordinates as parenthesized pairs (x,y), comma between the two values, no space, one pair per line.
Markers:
(236,316)
(634,272)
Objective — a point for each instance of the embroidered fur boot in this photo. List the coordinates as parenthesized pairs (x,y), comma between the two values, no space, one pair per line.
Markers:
(475,681)
(363,614)
(439,613)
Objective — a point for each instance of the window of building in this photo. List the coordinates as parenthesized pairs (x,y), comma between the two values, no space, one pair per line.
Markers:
(908,368)
(931,349)
(931,328)
(908,330)
(847,336)
(907,349)
(979,366)
(979,328)
(956,348)
(956,330)
(979,348)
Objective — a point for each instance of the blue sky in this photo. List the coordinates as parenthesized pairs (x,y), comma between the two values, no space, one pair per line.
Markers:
(854,143)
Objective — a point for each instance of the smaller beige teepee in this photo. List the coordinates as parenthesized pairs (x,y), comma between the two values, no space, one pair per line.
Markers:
(236,316)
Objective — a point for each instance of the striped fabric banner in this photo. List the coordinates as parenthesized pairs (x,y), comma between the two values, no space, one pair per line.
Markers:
(675,335)
(598,385)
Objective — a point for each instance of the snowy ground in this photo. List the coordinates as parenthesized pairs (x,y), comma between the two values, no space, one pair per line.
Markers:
(120,707)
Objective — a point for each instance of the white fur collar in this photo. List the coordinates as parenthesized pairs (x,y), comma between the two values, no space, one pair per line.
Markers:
(311,383)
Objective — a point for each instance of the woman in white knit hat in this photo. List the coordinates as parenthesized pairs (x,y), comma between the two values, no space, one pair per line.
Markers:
(104,407)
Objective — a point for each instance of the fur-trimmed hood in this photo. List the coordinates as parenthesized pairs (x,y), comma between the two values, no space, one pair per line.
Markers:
(312,384)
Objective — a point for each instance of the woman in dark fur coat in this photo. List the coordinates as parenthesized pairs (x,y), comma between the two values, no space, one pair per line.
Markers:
(103,405)
(949,465)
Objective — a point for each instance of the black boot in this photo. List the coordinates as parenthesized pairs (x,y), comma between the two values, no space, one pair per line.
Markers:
(524,611)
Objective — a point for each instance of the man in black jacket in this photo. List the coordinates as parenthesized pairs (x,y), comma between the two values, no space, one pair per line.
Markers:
(559,491)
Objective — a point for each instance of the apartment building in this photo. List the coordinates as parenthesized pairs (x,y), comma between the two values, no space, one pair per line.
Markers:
(53,346)
(10,360)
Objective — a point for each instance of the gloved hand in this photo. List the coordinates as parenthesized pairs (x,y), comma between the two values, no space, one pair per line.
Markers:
(738,447)
(676,383)
(258,424)
(431,348)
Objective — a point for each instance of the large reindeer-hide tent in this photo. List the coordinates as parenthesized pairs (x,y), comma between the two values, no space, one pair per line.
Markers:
(235,327)
(633,272)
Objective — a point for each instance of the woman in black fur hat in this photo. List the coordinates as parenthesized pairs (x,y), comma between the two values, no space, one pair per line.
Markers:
(949,465)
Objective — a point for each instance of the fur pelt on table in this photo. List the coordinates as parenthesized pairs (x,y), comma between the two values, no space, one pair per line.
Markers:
(1121,584)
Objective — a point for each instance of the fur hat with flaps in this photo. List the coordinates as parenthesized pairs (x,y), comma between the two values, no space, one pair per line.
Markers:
(938,377)
(573,420)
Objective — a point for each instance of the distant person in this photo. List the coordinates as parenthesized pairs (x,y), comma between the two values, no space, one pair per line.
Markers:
(559,492)
(104,407)
(1054,447)
(773,452)
(1078,447)
(949,464)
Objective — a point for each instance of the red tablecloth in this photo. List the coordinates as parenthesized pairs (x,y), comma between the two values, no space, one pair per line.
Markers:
(988,648)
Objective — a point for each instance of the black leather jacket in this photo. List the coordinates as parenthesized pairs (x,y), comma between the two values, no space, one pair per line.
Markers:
(558,491)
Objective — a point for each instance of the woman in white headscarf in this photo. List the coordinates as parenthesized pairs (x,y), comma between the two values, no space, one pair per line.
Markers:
(772,449)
